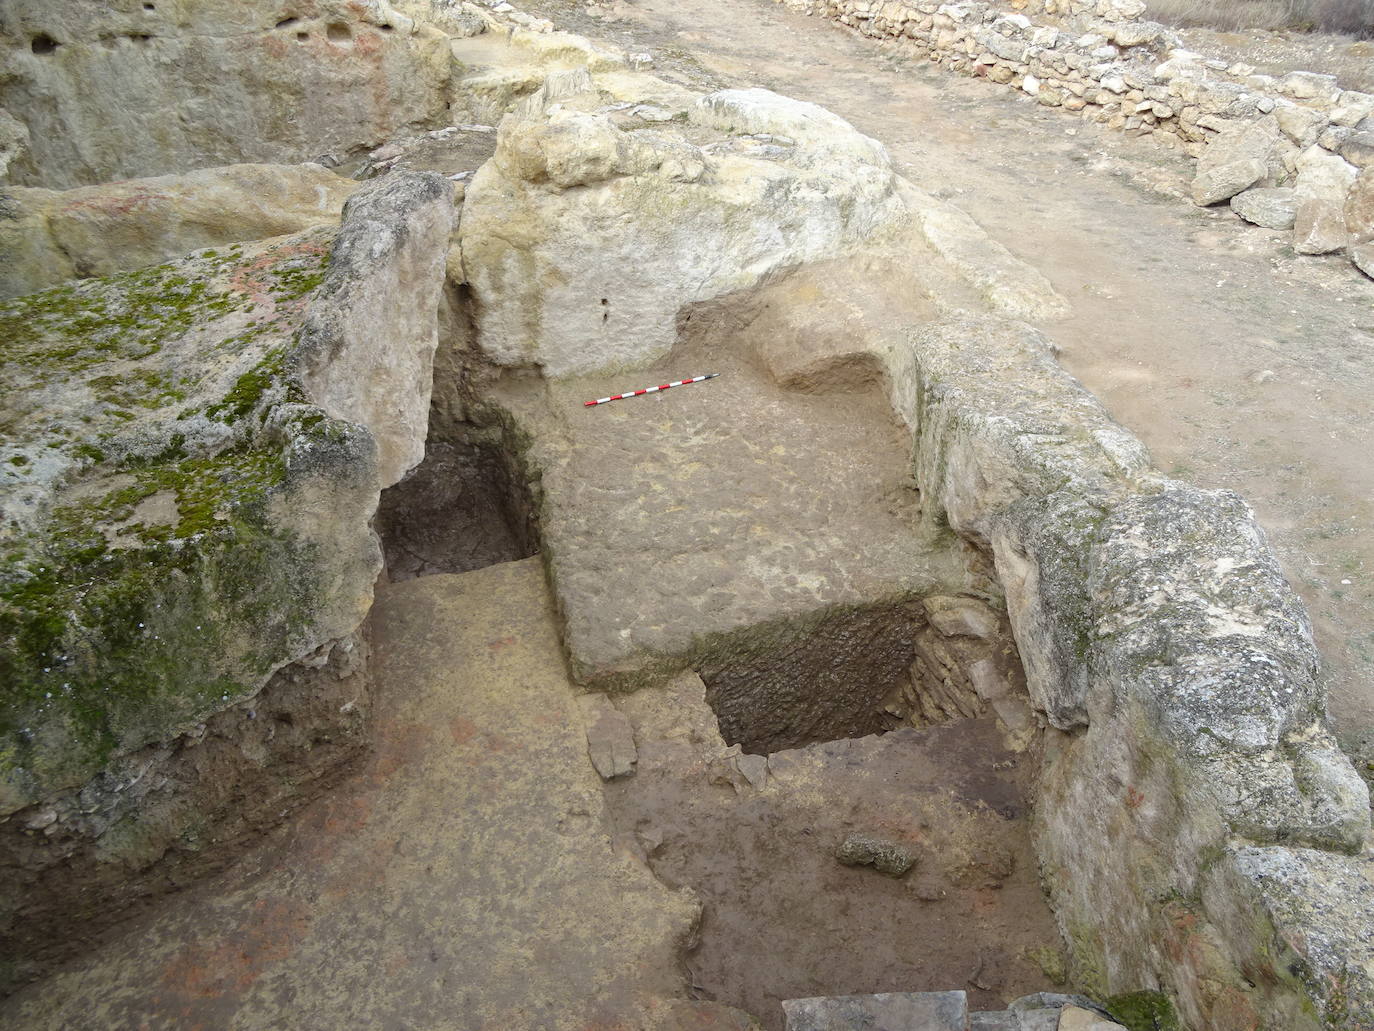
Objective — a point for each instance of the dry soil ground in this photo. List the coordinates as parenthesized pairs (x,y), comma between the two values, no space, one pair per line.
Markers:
(1240,364)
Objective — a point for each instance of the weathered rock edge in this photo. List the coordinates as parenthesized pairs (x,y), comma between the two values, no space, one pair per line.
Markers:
(49,236)
(1161,640)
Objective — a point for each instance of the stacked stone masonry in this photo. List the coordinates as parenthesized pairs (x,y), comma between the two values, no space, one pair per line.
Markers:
(1307,144)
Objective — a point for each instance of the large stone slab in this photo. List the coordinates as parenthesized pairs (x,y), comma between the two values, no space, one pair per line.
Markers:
(192,454)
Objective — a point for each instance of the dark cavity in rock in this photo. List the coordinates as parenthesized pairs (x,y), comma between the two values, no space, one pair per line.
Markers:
(462,508)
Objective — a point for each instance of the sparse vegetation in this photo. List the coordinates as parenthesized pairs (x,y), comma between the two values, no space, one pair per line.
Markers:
(1346,17)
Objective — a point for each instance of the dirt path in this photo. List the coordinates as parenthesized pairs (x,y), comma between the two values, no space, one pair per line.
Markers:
(1240,364)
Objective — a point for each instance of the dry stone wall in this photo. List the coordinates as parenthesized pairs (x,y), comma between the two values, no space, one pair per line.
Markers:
(1291,152)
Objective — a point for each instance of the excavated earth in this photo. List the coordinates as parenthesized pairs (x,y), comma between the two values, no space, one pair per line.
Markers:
(734,600)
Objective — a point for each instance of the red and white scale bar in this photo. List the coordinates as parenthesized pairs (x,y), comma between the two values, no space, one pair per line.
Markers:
(649,390)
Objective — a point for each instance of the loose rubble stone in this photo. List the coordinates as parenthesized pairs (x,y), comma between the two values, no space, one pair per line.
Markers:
(1358,149)
(1270,208)
(610,737)
(1318,227)
(884,856)
(1238,158)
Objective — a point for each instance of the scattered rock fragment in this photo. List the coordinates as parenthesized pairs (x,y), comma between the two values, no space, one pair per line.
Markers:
(610,737)
(884,856)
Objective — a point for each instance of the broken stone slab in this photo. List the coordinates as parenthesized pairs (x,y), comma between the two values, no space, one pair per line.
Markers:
(47,237)
(187,493)
(885,856)
(890,1011)
(610,737)
(1270,208)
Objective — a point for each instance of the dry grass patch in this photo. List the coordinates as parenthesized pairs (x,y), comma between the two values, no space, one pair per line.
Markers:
(1347,17)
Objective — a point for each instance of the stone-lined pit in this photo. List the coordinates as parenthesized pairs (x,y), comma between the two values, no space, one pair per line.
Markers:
(866,670)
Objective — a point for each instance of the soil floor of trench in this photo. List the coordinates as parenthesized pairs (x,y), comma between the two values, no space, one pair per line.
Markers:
(475,873)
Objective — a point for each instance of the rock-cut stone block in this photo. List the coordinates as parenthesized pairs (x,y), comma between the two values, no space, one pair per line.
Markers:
(889,1011)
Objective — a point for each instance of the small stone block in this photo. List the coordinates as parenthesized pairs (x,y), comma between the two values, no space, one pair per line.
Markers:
(610,737)
(884,856)
(891,1011)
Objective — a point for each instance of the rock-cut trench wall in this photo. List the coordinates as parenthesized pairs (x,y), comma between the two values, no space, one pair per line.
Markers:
(91,93)
(1198,828)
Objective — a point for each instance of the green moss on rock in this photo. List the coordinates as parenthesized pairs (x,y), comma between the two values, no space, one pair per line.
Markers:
(150,584)
(1142,1011)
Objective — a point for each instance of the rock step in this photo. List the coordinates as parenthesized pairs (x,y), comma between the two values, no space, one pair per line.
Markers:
(943,1011)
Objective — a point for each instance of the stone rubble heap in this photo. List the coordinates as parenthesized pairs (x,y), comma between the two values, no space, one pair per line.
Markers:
(1299,138)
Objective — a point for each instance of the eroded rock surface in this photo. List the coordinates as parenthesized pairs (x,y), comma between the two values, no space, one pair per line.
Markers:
(109,91)
(48,236)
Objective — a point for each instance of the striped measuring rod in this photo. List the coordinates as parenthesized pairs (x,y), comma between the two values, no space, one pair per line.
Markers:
(649,390)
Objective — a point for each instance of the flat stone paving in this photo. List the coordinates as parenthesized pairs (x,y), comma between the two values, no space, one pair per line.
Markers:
(462,879)
(673,520)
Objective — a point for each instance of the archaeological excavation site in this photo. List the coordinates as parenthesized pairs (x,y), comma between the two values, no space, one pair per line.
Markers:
(664,515)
